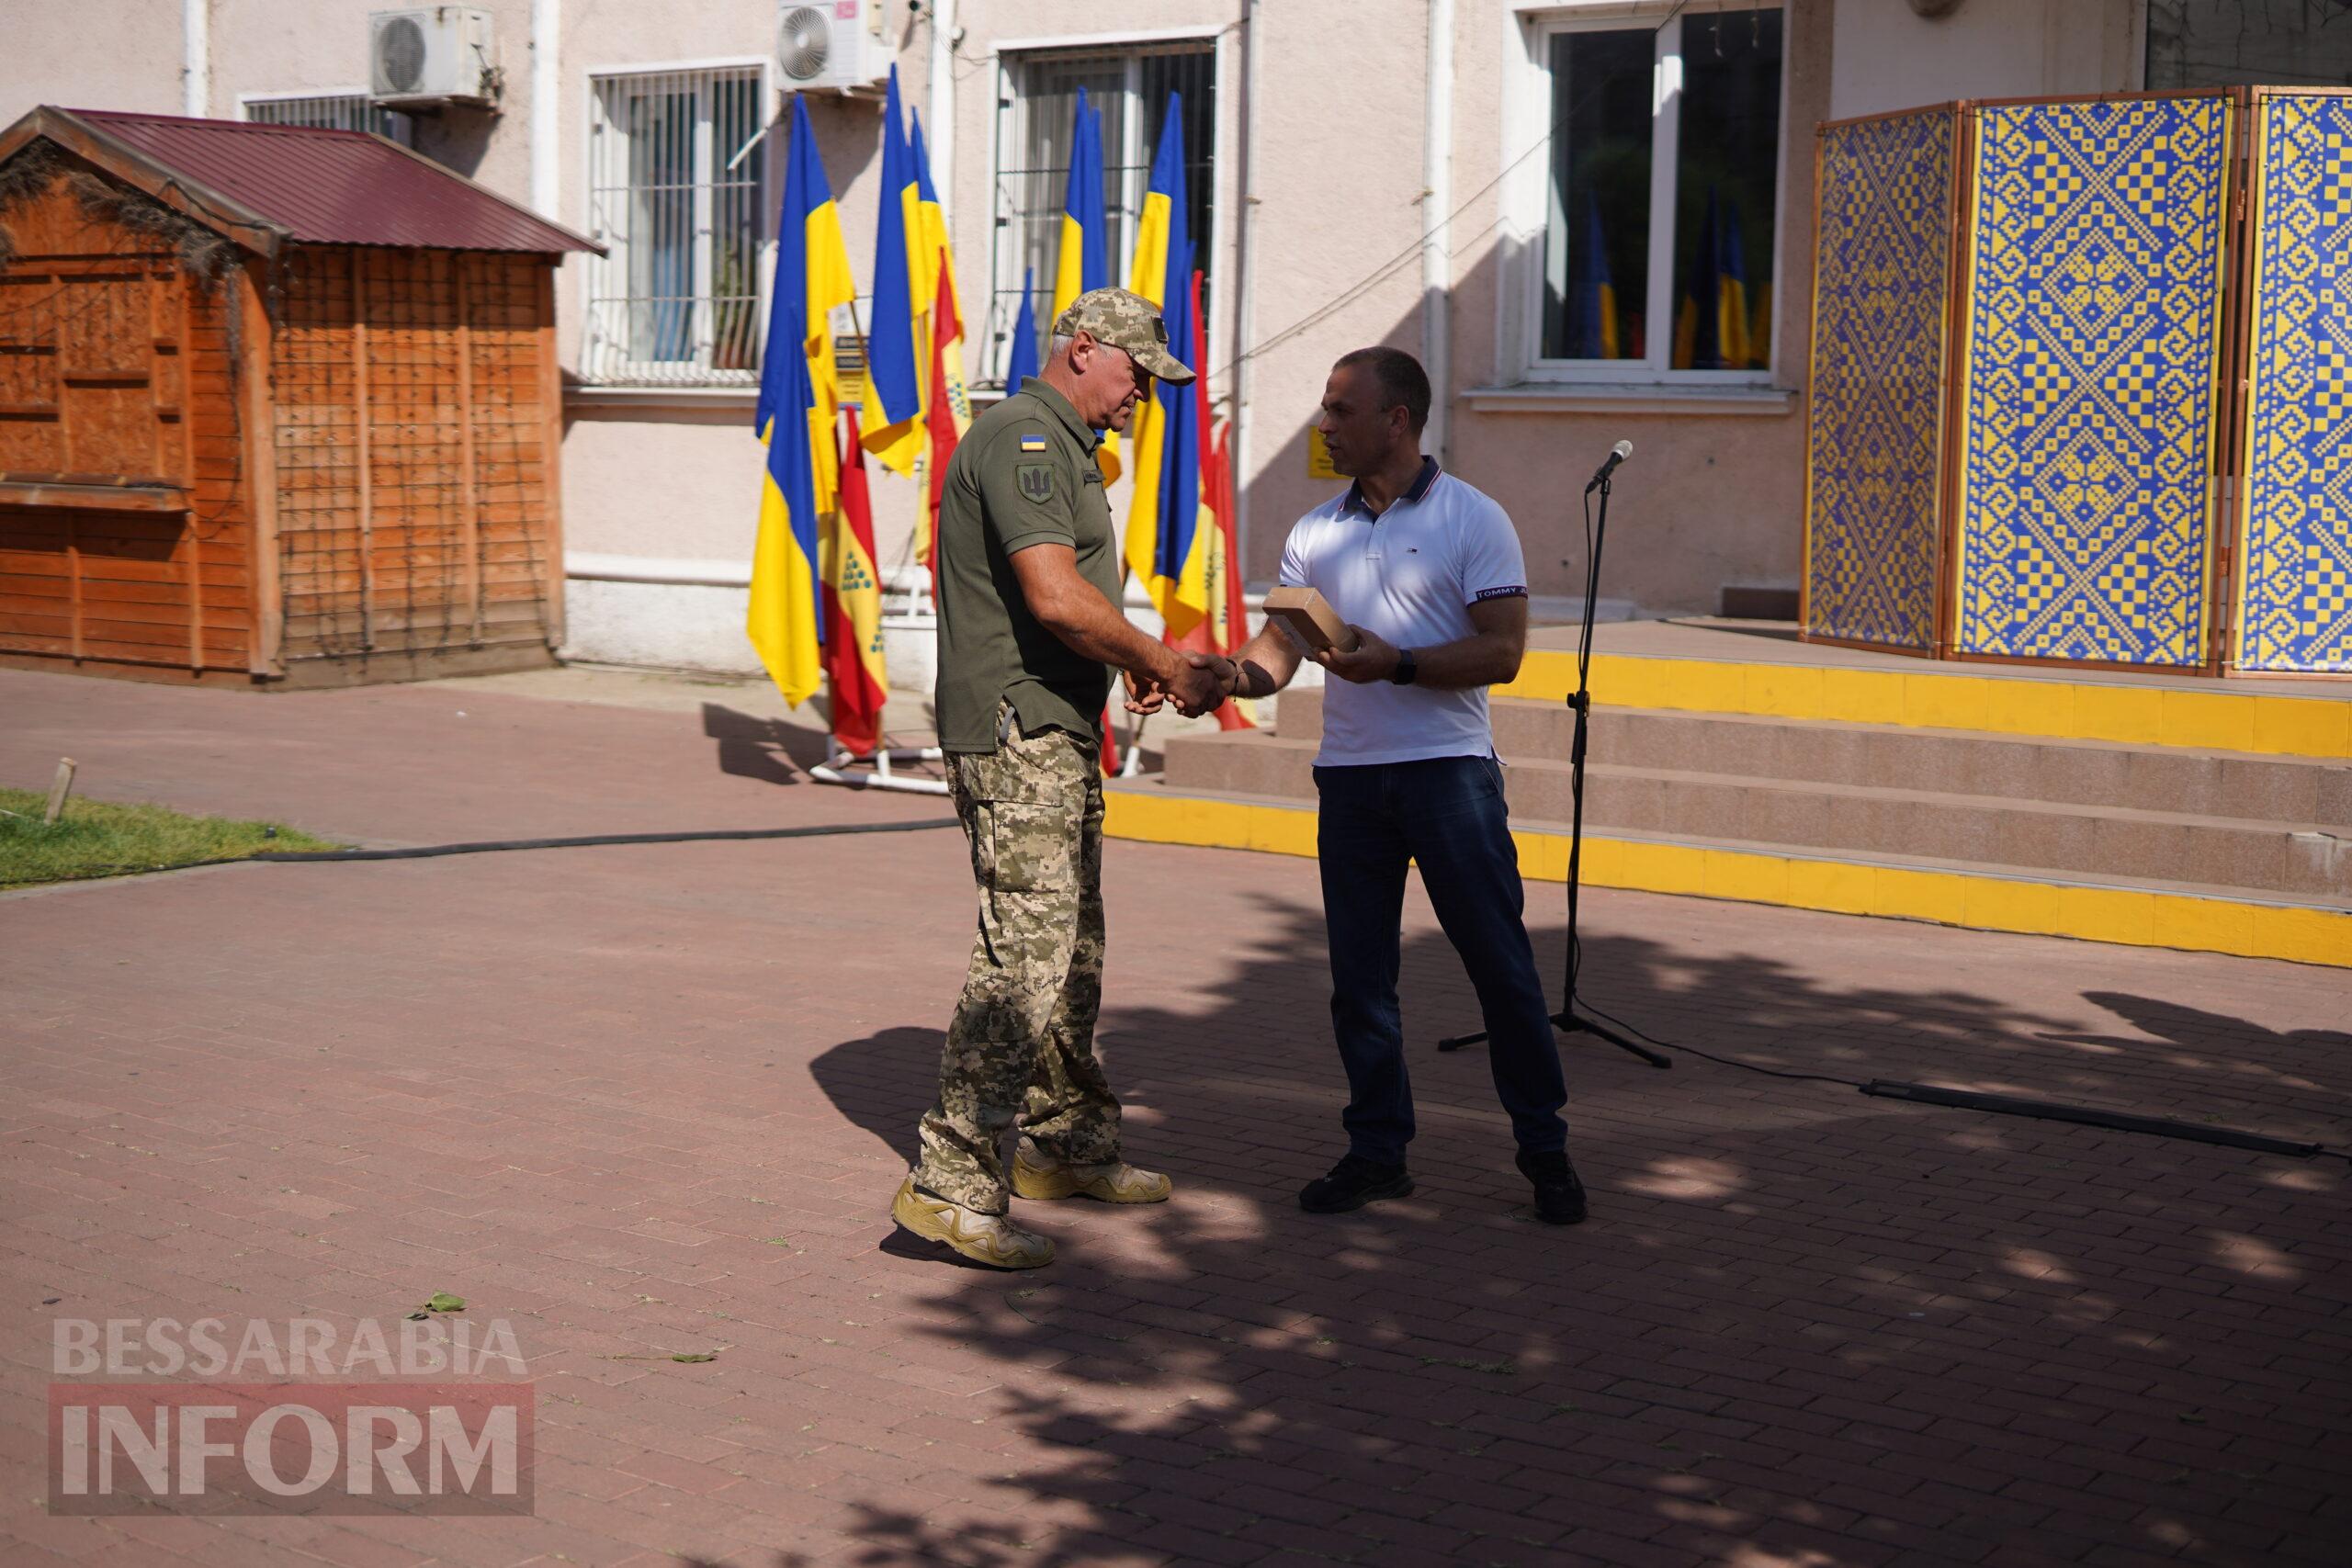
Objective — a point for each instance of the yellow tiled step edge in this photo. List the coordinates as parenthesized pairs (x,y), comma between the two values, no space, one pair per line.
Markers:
(2059,709)
(1949,897)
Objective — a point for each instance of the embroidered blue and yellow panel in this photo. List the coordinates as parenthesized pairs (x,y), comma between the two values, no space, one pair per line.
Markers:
(2092,328)
(2294,609)
(1876,433)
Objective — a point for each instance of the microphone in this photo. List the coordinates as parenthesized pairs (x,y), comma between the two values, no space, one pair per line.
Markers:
(1617,454)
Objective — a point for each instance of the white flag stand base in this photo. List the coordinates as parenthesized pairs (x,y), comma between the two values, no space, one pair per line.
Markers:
(854,772)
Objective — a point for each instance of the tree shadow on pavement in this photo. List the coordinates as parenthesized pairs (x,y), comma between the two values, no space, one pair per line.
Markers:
(1801,1327)
(2211,1067)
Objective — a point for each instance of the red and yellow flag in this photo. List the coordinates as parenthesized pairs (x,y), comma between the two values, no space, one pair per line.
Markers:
(947,405)
(1229,620)
(1225,628)
(853,668)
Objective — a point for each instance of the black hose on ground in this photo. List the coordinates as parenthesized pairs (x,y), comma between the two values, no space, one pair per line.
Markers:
(494,846)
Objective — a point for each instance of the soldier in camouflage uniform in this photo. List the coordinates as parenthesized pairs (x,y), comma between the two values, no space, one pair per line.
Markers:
(1029,628)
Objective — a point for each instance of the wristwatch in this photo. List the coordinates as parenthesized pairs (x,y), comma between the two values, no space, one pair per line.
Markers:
(1407,668)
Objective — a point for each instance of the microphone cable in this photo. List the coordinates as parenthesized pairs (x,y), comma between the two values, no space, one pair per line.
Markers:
(2007,1104)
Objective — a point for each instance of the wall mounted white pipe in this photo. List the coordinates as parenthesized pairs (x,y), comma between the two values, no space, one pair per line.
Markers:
(547,101)
(939,119)
(196,72)
(1245,320)
(1437,201)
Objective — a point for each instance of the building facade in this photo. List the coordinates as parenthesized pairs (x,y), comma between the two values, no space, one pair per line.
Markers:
(1592,218)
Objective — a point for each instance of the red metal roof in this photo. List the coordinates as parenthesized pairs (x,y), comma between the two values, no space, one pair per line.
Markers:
(334,187)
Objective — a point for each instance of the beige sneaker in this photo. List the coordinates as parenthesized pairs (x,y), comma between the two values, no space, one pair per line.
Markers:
(991,1239)
(1035,1175)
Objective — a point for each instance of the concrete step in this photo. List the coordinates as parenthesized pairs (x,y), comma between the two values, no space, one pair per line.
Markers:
(1981,895)
(1708,669)
(2151,807)
(2200,783)
(2259,858)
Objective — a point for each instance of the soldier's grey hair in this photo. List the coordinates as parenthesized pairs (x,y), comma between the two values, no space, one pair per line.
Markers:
(1060,344)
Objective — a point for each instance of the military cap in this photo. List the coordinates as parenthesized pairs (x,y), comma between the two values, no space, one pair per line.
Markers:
(1125,321)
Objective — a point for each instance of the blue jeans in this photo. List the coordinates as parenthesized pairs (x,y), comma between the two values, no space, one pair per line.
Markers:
(1448,814)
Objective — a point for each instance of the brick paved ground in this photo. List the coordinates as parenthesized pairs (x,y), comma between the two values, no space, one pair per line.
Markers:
(641,1100)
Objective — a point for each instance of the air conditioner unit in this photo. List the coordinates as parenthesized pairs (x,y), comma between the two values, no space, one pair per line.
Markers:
(830,43)
(432,54)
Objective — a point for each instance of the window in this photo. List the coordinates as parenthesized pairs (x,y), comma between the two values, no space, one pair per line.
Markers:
(1130,85)
(1660,195)
(675,167)
(330,111)
(2196,44)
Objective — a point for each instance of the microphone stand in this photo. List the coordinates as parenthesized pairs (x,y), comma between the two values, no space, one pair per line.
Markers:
(1567,1020)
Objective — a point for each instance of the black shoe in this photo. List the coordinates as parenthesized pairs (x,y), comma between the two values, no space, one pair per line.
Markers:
(1353,1182)
(1559,1196)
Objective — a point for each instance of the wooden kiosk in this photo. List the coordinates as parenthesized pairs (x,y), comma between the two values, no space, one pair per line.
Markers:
(278,407)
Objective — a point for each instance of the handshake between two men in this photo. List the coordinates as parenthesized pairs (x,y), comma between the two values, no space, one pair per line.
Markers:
(1194,684)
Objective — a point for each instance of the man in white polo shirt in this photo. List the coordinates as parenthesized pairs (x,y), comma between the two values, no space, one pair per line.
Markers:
(1428,573)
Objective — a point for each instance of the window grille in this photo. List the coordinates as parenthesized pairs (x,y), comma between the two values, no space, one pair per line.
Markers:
(675,169)
(332,111)
(1130,85)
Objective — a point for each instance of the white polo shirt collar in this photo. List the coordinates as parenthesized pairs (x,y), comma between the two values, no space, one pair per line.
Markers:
(1354,504)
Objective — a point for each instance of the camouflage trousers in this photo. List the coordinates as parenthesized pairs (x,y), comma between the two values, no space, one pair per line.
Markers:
(1023,1039)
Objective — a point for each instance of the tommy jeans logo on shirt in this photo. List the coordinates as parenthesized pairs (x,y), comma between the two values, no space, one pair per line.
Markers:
(1496,593)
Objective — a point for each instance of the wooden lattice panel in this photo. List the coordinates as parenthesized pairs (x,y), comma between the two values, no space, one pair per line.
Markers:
(2093,320)
(1875,450)
(412,433)
(2294,611)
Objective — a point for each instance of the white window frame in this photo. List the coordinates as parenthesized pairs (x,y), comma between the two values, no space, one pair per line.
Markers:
(403,126)
(1011,132)
(1527,140)
(607,273)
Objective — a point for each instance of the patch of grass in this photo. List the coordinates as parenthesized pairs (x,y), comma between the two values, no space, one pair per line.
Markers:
(93,839)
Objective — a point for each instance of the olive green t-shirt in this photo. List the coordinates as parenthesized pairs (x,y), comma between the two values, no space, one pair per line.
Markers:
(1024,474)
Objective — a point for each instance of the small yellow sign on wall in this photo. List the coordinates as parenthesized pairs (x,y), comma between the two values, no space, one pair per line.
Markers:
(1318,458)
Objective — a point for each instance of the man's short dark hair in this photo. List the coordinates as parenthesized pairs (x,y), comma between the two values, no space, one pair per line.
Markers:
(1403,383)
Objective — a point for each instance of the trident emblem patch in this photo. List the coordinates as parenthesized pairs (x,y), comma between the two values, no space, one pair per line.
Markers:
(1036,480)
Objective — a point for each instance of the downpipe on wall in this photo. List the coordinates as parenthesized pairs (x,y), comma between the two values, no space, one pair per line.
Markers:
(1437,204)
(196,67)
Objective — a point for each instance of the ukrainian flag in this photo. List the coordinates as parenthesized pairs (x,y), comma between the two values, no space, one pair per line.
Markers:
(893,394)
(1084,262)
(799,390)
(934,252)
(1731,293)
(1166,528)
(1711,328)
(1592,296)
(1023,362)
